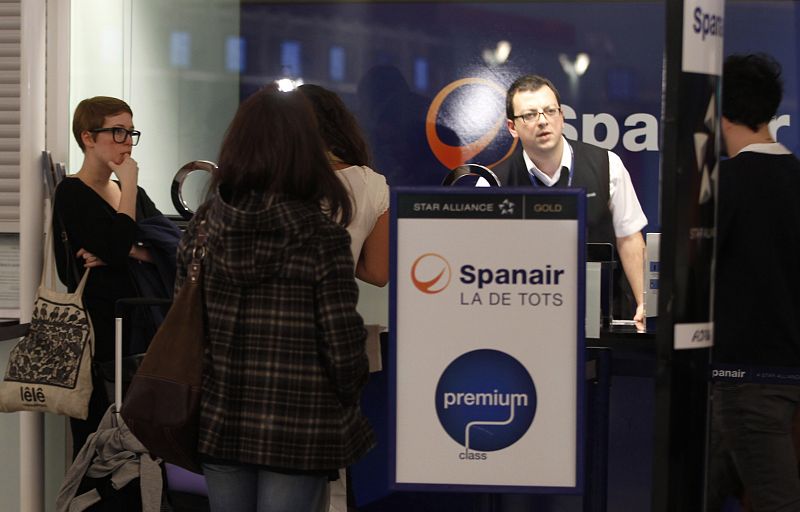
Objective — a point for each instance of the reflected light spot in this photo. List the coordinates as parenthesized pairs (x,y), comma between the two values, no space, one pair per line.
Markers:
(581,63)
(287,84)
(503,51)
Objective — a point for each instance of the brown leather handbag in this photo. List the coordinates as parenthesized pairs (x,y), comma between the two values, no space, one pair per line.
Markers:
(162,405)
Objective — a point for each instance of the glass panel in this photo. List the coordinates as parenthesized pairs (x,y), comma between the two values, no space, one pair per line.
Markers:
(176,63)
(427,80)
(770,27)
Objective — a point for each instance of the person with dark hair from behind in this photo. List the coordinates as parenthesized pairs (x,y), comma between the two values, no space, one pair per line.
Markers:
(545,158)
(102,221)
(756,299)
(349,157)
(369,228)
(286,360)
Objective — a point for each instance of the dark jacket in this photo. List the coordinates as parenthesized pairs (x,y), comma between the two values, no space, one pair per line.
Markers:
(286,361)
(160,236)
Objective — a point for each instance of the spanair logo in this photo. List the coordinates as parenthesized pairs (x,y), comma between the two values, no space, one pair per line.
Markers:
(485,401)
(430,273)
(703,31)
(471,109)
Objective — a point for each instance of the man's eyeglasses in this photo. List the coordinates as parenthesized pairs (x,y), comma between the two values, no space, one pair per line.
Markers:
(121,134)
(532,117)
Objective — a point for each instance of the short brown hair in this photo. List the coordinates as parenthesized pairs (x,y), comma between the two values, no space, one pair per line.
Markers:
(92,112)
(527,83)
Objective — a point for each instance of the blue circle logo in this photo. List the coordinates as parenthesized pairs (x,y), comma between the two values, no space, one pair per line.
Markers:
(486,400)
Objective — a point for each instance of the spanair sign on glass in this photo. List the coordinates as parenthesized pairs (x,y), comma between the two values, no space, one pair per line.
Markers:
(487,325)
(703,31)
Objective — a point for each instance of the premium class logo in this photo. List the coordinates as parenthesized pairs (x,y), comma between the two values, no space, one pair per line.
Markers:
(430,273)
(485,401)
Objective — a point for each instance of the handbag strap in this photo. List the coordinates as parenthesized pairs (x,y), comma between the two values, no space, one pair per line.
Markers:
(198,253)
(69,256)
(49,267)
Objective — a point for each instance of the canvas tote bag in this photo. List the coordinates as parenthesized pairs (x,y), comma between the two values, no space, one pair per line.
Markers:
(50,368)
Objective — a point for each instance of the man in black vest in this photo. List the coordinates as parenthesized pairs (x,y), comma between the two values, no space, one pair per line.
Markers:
(756,298)
(547,159)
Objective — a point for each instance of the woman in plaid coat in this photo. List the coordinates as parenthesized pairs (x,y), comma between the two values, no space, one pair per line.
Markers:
(286,360)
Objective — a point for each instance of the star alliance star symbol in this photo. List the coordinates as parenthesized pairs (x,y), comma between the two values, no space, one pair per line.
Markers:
(705,147)
(506,207)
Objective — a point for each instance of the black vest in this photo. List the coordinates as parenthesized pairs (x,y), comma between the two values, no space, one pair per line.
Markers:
(590,171)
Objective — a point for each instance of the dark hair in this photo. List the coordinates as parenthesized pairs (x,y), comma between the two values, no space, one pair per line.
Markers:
(91,113)
(527,83)
(751,89)
(273,147)
(337,125)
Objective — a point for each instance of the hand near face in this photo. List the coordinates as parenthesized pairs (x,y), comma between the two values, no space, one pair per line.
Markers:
(126,171)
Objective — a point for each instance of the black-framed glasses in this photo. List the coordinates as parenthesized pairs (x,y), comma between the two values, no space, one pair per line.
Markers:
(532,117)
(121,134)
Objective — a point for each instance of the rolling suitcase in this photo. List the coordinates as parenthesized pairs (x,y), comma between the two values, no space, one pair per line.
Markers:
(185,490)
(113,471)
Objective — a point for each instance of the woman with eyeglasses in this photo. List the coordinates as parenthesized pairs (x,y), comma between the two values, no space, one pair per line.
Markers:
(95,227)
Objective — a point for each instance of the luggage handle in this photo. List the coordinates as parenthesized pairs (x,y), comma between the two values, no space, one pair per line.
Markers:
(121,307)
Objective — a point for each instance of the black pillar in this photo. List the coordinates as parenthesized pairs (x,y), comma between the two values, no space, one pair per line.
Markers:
(689,155)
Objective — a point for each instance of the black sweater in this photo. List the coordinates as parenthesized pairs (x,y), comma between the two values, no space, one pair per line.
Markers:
(757,282)
(92,224)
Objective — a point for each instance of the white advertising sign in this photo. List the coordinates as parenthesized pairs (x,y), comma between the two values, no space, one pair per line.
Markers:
(703,30)
(488,339)
(694,335)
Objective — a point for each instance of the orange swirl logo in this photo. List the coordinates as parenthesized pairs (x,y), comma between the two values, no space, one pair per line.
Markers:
(453,156)
(430,273)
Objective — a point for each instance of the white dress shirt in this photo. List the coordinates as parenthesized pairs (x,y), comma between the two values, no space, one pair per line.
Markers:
(626,212)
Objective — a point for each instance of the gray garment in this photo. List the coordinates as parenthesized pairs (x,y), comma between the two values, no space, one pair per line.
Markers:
(751,446)
(112,450)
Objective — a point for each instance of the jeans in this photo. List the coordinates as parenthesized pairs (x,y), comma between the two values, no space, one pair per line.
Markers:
(751,446)
(248,488)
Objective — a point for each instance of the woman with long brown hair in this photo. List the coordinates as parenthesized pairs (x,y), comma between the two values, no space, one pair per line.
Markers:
(286,360)
(350,159)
